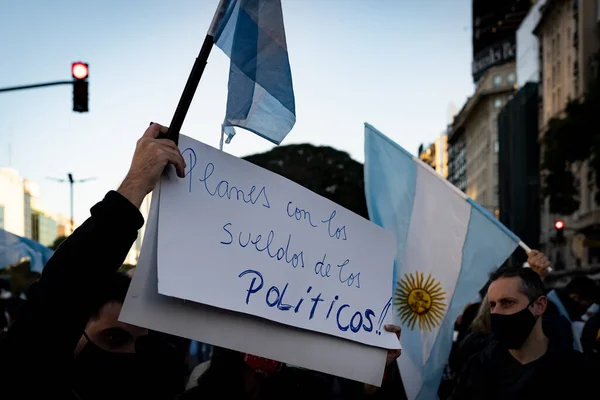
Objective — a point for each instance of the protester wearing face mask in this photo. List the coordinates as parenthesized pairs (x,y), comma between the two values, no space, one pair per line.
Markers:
(112,354)
(60,343)
(521,362)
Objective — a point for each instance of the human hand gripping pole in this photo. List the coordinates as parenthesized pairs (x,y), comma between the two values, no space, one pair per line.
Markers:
(151,157)
(539,263)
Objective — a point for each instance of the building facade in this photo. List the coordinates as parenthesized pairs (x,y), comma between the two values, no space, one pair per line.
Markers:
(134,253)
(528,66)
(475,132)
(473,136)
(495,23)
(519,174)
(44,228)
(569,36)
(12,201)
(30,197)
(20,210)
(457,160)
(436,155)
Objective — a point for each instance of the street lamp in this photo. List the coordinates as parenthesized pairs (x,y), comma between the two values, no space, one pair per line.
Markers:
(71,183)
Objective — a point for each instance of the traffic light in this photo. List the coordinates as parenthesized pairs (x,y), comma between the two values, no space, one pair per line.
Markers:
(559,226)
(80,74)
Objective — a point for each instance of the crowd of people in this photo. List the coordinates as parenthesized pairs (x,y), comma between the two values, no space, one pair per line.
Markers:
(65,340)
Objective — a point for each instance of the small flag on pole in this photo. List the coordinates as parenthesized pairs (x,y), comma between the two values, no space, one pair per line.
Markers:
(261,95)
(446,246)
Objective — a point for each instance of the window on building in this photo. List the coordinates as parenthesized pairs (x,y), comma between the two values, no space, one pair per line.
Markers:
(35,227)
(496,146)
(497,80)
(511,78)
(558,45)
(498,103)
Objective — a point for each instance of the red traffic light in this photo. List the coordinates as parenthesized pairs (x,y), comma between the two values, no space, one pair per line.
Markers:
(559,225)
(79,70)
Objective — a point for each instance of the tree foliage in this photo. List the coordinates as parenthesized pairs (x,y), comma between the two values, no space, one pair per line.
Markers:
(570,141)
(330,173)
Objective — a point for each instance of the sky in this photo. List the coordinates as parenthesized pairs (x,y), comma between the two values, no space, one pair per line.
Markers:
(397,64)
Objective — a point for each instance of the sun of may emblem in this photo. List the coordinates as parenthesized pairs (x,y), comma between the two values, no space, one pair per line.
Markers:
(420,300)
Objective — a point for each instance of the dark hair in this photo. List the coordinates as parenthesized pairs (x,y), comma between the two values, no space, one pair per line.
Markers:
(583,286)
(114,289)
(531,283)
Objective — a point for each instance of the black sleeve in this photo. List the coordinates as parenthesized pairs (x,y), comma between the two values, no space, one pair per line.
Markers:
(51,321)
(462,389)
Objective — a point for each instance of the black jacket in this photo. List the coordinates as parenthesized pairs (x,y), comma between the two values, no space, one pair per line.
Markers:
(36,353)
(495,374)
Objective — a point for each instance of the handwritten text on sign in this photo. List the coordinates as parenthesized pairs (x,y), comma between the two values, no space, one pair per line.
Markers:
(235,236)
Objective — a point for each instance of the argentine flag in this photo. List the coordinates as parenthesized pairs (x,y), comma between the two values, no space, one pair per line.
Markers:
(13,248)
(446,246)
(261,95)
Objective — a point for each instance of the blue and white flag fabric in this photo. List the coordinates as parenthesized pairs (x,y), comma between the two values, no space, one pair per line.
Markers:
(446,247)
(13,248)
(261,94)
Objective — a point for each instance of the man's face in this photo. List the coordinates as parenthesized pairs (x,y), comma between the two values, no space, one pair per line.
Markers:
(505,297)
(106,332)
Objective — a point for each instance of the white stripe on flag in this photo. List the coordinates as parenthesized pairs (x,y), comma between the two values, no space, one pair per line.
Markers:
(439,255)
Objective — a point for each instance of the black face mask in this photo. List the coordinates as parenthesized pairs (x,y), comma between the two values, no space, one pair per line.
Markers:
(101,374)
(512,330)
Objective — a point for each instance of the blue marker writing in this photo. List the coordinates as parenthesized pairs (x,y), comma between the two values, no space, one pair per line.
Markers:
(224,190)
(322,269)
(190,165)
(349,280)
(339,233)
(265,245)
(299,214)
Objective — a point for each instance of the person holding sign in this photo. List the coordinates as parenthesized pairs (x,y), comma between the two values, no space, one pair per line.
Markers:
(54,348)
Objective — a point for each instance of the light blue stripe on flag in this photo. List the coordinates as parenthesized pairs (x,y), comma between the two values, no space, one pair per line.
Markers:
(261,95)
(13,248)
(447,245)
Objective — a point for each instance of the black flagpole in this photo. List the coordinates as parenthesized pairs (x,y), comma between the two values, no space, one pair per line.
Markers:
(194,79)
(190,89)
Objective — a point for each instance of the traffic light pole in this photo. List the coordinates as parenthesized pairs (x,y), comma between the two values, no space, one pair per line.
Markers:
(37,85)
(72,183)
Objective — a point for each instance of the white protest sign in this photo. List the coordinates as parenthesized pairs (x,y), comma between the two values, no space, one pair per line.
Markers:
(238,237)
(241,332)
